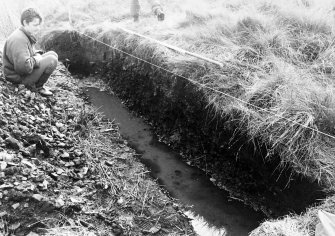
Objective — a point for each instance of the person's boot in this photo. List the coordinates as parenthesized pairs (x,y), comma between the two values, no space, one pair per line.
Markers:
(44,91)
(136,18)
(41,89)
(160,14)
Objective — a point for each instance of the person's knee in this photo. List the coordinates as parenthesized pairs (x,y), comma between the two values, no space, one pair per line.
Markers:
(54,54)
(50,63)
(52,66)
(48,53)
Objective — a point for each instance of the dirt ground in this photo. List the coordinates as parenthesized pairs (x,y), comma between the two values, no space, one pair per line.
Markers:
(65,170)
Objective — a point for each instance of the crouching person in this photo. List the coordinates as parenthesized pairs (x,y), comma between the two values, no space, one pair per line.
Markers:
(22,64)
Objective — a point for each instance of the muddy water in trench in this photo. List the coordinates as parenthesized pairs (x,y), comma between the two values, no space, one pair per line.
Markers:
(214,213)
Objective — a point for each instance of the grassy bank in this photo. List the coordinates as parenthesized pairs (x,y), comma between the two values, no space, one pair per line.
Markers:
(278,58)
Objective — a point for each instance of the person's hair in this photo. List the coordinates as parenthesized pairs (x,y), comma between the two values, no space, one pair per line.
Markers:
(29,15)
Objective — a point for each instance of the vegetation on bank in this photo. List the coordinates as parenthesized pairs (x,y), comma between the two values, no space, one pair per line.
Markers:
(278,58)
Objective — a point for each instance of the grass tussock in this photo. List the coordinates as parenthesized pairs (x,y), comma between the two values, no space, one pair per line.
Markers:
(286,226)
(297,107)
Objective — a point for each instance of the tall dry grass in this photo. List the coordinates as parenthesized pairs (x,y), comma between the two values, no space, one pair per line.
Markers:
(278,56)
(9,18)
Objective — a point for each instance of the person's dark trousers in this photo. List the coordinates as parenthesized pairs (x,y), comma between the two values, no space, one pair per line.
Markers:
(135,9)
(40,75)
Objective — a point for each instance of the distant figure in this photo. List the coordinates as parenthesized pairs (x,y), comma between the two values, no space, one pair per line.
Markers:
(155,6)
(22,64)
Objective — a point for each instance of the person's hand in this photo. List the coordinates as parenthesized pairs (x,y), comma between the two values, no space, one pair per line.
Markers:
(40,52)
(37,57)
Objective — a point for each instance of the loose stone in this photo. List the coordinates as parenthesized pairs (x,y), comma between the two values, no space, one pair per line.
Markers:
(65,155)
(15,206)
(37,197)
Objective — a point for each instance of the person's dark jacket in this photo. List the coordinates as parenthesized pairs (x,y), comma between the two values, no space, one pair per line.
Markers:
(18,56)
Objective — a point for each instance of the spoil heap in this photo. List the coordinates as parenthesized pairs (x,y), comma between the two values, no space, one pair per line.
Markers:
(65,170)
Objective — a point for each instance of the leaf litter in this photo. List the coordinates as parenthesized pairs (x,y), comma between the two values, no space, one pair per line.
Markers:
(65,170)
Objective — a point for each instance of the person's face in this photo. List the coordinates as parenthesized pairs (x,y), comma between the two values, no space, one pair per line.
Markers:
(32,27)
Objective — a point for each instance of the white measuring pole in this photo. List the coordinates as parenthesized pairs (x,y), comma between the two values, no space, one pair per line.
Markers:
(69,12)
(177,49)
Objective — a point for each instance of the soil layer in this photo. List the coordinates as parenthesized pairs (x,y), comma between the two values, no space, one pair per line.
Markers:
(182,118)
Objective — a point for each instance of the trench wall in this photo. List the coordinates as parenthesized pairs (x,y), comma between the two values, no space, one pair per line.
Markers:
(177,108)
(182,116)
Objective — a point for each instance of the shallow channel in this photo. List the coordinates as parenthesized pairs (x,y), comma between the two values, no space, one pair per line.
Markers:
(213,211)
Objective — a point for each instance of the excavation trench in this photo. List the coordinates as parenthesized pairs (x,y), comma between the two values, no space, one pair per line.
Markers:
(186,183)
(178,112)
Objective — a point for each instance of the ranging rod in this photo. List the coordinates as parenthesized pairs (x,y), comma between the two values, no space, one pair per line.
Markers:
(177,49)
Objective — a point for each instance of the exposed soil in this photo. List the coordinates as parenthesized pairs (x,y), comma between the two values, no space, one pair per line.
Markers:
(182,118)
(64,170)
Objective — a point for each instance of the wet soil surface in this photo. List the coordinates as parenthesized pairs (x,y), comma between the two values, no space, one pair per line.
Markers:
(186,183)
